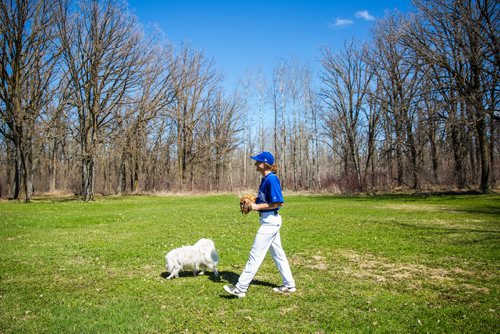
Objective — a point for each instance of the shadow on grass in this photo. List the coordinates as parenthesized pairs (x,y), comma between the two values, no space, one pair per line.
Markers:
(475,236)
(185,274)
(449,195)
(224,277)
(483,210)
(232,278)
(445,230)
(50,199)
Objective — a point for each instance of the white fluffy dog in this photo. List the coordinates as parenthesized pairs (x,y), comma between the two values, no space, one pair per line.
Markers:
(202,255)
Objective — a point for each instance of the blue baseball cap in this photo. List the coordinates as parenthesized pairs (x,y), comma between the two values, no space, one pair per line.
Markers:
(264,157)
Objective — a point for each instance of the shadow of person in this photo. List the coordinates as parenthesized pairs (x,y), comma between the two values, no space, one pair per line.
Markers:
(231,277)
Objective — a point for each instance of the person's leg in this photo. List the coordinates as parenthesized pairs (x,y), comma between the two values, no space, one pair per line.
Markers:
(263,241)
(281,261)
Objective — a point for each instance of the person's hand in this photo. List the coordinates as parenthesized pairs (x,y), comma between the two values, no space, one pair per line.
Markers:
(255,207)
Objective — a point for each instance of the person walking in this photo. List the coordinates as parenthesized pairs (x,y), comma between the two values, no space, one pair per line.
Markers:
(268,203)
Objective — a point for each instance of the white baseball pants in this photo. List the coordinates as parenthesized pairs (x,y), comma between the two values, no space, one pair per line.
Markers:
(267,238)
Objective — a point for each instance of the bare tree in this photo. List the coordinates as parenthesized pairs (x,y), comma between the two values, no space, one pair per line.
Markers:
(346,87)
(153,95)
(246,90)
(224,123)
(372,113)
(313,106)
(459,41)
(27,66)
(260,89)
(279,98)
(119,112)
(296,73)
(55,131)
(195,81)
(398,74)
(430,108)
(100,55)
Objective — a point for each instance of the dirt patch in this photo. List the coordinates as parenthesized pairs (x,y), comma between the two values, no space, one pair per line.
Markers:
(378,269)
(473,289)
(314,262)
(286,310)
(445,223)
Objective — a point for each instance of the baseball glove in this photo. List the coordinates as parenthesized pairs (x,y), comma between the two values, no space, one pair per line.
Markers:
(246,202)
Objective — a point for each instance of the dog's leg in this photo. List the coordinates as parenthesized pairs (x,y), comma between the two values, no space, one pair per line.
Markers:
(174,273)
(203,268)
(216,273)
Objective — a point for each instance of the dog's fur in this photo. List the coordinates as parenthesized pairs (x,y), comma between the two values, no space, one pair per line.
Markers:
(202,255)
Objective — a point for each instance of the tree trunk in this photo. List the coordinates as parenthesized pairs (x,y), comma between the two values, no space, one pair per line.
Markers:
(88,174)
(18,169)
(457,157)
(122,177)
(413,156)
(483,151)
(434,154)
(493,140)
(135,183)
(53,167)
(88,147)
(27,162)
(399,159)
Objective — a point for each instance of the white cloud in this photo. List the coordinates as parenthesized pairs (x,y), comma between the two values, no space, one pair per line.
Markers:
(341,22)
(363,14)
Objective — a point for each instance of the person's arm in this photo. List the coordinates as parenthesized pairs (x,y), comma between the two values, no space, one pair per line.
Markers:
(266,206)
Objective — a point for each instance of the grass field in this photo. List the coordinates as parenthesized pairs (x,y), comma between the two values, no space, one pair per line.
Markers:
(382,264)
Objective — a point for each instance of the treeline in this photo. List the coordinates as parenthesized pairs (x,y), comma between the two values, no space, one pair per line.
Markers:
(92,103)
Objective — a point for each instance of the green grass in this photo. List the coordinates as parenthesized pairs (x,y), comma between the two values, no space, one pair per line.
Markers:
(382,264)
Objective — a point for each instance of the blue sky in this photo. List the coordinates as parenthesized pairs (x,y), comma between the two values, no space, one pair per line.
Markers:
(241,35)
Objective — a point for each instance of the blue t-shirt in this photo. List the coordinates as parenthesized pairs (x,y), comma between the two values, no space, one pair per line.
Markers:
(270,190)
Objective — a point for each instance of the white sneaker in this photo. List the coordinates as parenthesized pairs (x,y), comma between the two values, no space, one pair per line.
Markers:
(284,289)
(232,290)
